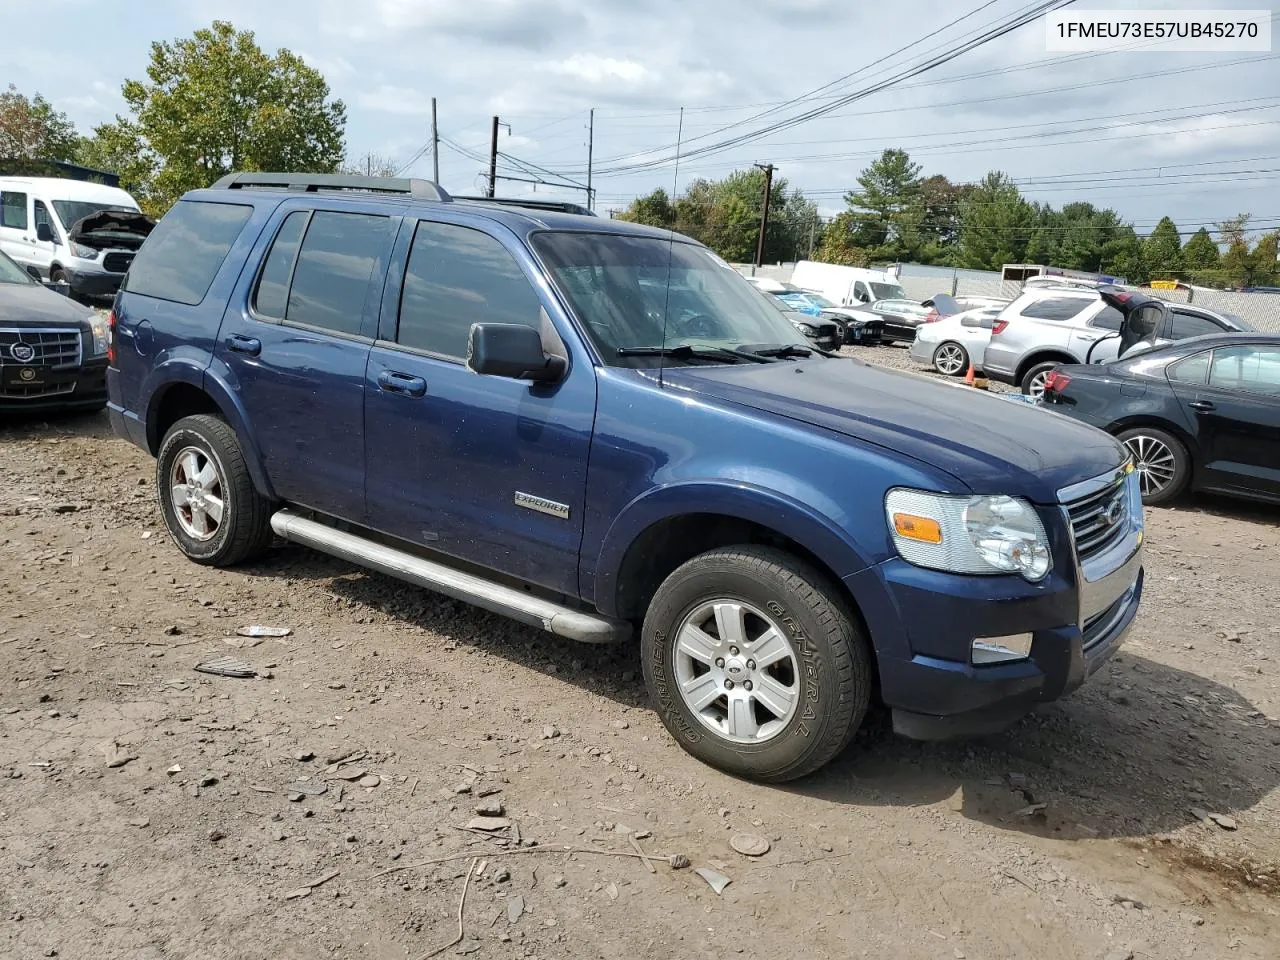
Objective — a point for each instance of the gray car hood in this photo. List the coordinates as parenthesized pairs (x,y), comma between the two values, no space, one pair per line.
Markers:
(32,305)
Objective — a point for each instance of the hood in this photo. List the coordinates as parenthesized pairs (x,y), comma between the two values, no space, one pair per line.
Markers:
(31,304)
(987,444)
(118,229)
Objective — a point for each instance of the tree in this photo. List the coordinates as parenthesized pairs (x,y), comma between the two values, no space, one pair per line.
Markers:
(30,129)
(653,209)
(1163,250)
(888,205)
(215,103)
(1124,255)
(1236,264)
(1201,259)
(838,244)
(369,165)
(996,224)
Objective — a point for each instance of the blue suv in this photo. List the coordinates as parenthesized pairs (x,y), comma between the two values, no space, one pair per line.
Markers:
(596,427)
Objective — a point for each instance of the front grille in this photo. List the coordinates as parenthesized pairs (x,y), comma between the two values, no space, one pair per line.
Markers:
(117,262)
(18,391)
(1099,519)
(824,330)
(50,346)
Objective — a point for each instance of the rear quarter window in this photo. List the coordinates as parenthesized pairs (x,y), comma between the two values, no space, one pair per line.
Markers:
(185,251)
(1055,308)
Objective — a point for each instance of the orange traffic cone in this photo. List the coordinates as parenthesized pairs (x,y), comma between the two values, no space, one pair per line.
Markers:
(970,376)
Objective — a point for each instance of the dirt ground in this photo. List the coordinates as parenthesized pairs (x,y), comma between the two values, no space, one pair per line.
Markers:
(151,811)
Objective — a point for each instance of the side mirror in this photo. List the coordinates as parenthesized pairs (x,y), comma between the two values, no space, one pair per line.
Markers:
(44,233)
(34,274)
(512,350)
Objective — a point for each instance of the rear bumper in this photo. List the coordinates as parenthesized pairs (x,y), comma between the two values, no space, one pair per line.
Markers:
(999,364)
(921,353)
(923,624)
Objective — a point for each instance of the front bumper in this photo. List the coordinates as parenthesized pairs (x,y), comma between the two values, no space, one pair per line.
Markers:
(923,624)
(82,387)
(87,284)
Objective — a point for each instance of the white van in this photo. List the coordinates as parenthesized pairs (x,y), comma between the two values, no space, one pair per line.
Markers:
(847,286)
(81,234)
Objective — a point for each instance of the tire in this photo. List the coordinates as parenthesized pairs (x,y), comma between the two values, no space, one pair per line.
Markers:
(58,275)
(950,359)
(1164,466)
(1033,380)
(801,709)
(202,455)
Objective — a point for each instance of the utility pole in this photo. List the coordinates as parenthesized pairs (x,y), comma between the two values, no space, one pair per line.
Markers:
(591,136)
(813,228)
(435,144)
(764,216)
(493,158)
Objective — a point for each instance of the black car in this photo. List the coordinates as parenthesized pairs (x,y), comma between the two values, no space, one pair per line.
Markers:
(53,351)
(901,318)
(1203,413)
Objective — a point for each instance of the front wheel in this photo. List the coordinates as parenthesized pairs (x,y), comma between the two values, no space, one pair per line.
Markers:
(950,359)
(755,663)
(1163,464)
(208,500)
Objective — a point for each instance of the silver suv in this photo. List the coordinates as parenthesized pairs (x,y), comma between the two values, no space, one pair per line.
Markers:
(1047,326)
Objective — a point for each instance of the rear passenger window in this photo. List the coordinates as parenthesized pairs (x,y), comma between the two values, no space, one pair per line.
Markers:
(13,210)
(183,253)
(1109,319)
(1191,370)
(1189,325)
(457,276)
(273,286)
(331,279)
(1055,308)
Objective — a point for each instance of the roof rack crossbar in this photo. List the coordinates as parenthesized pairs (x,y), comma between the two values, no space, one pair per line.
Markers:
(316,182)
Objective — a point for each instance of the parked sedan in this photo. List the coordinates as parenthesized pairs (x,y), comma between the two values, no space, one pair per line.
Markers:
(856,326)
(53,351)
(949,344)
(1203,413)
(901,319)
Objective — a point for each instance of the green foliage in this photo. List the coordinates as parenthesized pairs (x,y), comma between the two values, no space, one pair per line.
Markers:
(838,244)
(1201,259)
(30,129)
(996,224)
(1163,251)
(215,103)
(725,215)
(888,208)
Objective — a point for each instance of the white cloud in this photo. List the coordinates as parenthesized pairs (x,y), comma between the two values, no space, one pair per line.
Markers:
(597,70)
(399,100)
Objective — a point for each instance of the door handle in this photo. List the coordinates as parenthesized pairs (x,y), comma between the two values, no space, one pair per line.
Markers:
(1202,405)
(402,383)
(1087,336)
(239,344)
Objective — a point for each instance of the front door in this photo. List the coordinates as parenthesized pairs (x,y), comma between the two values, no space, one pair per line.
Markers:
(17,232)
(486,469)
(297,351)
(1236,416)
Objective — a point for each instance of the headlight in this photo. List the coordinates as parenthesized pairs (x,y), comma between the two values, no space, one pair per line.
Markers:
(98,324)
(83,252)
(805,327)
(983,535)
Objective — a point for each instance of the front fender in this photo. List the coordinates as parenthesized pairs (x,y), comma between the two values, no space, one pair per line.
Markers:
(774,511)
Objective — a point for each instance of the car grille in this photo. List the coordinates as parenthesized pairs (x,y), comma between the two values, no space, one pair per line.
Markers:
(20,392)
(1099,519)
(51,346)
(824,330)
(117,262)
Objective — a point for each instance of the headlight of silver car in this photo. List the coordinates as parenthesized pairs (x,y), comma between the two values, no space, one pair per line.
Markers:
(968,534)
(98,324)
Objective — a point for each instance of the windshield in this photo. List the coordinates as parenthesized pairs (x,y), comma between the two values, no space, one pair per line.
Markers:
(10,272)
(618,287)
(888,291)
(814,298)
(71,211)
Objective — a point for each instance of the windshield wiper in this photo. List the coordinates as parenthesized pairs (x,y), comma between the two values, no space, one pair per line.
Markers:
(787,350)
(687,351)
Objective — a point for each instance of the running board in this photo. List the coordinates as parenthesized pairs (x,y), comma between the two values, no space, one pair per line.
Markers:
(496,597)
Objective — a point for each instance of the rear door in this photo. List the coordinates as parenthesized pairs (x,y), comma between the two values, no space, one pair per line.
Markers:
(296,350)
(486,469)
(1231,397)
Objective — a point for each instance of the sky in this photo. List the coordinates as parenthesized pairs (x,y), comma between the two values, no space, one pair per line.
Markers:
(1149,132)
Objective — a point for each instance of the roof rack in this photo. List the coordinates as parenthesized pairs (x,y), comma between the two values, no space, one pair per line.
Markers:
(557,206)
(316,182)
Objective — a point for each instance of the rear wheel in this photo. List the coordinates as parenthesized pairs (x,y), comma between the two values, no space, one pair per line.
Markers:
(1163,464)
(950,359)
(208,500)
(755,663)
(1033,380)
(58,275)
